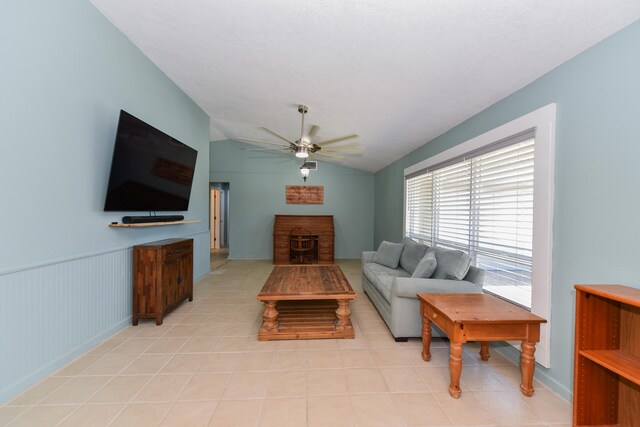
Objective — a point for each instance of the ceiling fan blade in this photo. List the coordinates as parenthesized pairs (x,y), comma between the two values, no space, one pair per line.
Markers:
(334,140)
(328,155)
(277,135)
(345,147)
(267,149)
(313,131)
(262,142)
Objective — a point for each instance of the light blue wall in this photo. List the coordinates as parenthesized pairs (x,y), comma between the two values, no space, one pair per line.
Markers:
(597,198)
(65,279)
(257,183)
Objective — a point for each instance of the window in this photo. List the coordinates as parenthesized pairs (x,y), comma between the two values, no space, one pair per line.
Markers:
(492,197)
(481,203)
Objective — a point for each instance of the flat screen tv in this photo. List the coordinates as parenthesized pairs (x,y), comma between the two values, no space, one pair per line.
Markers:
(150,170)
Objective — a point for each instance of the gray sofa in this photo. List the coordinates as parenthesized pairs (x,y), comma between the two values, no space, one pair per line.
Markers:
(393,291)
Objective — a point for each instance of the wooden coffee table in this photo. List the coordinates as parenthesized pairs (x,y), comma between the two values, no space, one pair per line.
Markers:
(484,318)
(302,302)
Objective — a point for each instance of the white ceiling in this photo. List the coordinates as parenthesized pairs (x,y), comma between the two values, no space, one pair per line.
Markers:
(398,73)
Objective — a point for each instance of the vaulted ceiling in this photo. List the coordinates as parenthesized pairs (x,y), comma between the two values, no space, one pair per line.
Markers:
(397,73)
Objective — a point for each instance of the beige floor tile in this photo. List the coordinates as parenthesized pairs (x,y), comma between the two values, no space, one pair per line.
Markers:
(184,363)
(205,387)
(549,406)
(194,319)
(330,411)
(167,345)
(358,358)
(107,346)
(163,388)
(287,384)
(220,362)
(10,413)
(237,413)
(290,411)
(327,382)
(120,389)
(389,357)
(77,390)
(375,410)
(475,378)
(182,331)
(437,379)
(289,360)
(507,407)
(419,409)
(78,365)
(365,380)
(92,415)
(134,345)
(466,410)
(232,344)
(256,361)
(109,364)
(511,377)
(325,359)
(212,330)
(380,340)
(39,391)
(199,345)
(147,364)
(151,330)
(190,414)
(141,415)
(324,344)
(247,385)
(43,416)
(403,380)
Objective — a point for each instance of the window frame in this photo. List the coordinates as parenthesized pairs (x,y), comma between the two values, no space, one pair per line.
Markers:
(543,123)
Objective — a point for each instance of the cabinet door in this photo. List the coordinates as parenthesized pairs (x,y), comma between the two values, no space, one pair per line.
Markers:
(184,279)
(170,279)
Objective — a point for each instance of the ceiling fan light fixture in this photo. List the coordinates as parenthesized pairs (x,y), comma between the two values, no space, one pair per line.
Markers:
(302,152)
(304,170)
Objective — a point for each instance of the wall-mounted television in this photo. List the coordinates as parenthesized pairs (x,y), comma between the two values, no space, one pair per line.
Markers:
(150,170)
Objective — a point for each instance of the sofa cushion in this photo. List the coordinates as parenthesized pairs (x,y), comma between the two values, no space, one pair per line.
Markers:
(372,270)
(388,254)
(451,264)
(426,266)
(411,254)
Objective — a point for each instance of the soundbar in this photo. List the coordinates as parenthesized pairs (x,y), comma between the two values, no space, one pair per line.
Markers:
(151,218)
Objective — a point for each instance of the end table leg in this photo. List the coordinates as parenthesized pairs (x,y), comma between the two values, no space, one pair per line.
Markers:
(426,335)
(455,368)
(527,364)
(269,316)
(484,350)
(342,313)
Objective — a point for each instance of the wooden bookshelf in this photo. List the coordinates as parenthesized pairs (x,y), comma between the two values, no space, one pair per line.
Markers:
(154,224)
(606,387)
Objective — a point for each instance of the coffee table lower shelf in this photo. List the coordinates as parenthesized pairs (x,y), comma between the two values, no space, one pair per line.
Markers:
(305,320)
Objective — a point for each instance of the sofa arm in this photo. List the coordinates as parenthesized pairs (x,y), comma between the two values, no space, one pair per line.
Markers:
(407,287)
(367,256)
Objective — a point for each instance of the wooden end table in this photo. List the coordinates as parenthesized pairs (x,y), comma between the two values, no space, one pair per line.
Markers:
(302,302)
(484,318)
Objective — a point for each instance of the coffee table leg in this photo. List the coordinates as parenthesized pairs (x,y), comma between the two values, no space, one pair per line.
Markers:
(527,365)
(342,313)
(455,368)
(484,350)
(426,334)
(269,316)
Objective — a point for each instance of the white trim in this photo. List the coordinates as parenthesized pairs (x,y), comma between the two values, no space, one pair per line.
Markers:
(543,122)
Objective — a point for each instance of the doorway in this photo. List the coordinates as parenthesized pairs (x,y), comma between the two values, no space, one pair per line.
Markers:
(218,224)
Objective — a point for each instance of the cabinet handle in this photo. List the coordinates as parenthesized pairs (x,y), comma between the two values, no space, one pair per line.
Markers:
(175,251)
(179,279)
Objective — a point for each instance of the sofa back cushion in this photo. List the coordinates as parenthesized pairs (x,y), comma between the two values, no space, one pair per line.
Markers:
(411,254)
(388,254)
(451,264)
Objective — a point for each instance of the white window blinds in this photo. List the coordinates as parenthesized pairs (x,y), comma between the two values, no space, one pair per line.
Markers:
(481,203)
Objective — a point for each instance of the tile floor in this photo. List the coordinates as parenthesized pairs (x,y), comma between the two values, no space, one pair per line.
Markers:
(204,367)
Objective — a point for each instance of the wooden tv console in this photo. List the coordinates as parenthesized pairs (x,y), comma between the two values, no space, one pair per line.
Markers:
(162,277)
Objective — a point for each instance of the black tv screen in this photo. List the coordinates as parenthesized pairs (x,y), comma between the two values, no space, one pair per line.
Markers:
(150,170)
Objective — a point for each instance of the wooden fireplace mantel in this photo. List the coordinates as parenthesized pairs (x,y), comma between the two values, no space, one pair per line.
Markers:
(318,225)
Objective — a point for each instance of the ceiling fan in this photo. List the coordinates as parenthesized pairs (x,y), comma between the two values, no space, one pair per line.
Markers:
(305,145)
